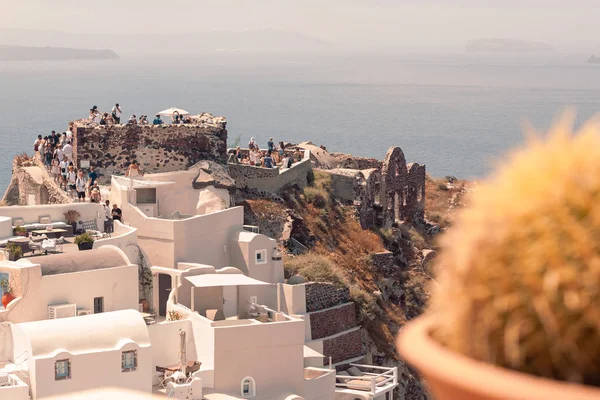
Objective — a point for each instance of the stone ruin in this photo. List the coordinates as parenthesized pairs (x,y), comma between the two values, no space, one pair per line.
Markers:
(384,192)
(163,148)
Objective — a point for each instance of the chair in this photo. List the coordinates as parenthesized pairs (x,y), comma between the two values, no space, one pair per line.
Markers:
(33,246)
(49,245)
(91,228)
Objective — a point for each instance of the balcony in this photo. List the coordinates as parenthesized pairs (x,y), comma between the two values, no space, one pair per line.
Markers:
(367,379)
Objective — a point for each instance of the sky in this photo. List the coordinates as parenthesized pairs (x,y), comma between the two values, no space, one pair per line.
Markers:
(377,23)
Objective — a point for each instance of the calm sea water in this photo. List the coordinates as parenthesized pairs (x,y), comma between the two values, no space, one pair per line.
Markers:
(454,113)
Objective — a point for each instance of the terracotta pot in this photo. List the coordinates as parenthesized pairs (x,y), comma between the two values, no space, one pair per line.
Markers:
(7,298)
(145,305)
(452,376)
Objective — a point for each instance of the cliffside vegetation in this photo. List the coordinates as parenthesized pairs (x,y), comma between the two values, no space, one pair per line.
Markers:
(340,252)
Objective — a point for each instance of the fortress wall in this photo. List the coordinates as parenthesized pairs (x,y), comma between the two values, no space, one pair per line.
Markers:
(162,148)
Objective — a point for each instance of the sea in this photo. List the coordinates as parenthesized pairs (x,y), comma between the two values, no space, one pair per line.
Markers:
(459,114)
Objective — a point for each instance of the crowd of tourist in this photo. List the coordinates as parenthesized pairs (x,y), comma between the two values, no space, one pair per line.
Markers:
(273,157)
(114,117)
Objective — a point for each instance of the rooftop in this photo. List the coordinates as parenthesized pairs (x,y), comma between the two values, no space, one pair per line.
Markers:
(77,261)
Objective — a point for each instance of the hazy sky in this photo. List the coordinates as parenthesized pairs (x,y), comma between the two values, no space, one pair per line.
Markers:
(376,22)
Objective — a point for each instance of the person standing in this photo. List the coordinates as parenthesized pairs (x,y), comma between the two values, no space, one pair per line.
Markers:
(116,114)
(36,143)
(116,213)
(54,139)
(157,120)
(270,145)
(252,144)
(108,221)
(80,186)
(268,161)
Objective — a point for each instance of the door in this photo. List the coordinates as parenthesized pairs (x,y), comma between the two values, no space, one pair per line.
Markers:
(164,289)
(98,305)
(230,301)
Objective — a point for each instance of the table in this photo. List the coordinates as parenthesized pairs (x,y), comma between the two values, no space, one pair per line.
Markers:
(53,233)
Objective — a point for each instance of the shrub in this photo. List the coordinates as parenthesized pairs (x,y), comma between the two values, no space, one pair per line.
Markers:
(5,285)
(20,230)
(310,178)
(316,196)
(366,303)
(314,268)
(174,315)
(83,238)
(14,250)
(72,216)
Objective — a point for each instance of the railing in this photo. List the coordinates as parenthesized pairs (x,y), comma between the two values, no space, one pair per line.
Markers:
(373,383)
(251,228)
(297,247)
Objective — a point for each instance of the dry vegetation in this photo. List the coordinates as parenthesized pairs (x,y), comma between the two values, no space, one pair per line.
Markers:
(442,195)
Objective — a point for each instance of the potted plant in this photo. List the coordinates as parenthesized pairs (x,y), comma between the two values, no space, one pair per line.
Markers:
(20,231)
(72,216)
(7,295)
(515,311)
(14,251)
(85,241)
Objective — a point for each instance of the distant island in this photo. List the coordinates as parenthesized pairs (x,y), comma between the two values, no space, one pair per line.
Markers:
(506,46)
(593,60)
(27,53)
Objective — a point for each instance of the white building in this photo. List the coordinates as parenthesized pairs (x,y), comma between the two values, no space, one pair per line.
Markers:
(75,354)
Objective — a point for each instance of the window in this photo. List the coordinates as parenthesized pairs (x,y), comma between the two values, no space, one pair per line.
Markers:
(62,369)
(128,360)
(261,256)
(248,387)
(98,305)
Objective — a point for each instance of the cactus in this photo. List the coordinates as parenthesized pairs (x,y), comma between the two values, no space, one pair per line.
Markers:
(519,277)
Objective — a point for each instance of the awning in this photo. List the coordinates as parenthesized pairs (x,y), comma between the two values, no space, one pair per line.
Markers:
(170,111)
(212,280)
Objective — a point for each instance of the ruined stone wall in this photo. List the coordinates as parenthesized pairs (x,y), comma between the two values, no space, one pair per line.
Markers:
(351,162)
(321,295)
(270,179)
(402,188)
(30,184)
(415,200)
(333,320)
(343,347)
(156,148)
(346,184)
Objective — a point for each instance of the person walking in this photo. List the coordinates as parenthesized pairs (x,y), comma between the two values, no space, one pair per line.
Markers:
(71,179)
(116,114)
(68,150)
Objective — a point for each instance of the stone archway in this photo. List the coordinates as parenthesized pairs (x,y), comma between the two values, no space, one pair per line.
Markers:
(394,184)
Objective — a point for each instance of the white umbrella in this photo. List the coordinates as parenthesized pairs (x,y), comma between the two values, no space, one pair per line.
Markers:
(170,111)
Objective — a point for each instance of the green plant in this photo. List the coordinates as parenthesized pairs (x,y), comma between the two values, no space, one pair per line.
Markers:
(20,230)
(83,238)
(72,216)
(5,285)
(174,315)
(14,250)
(518,283)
